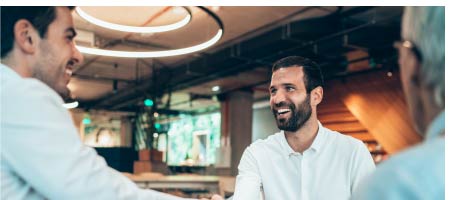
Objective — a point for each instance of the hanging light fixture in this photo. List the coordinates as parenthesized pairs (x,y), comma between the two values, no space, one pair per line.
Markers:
(135,29)
(164,53)
(86,119)
(148,102)
(70,105)
(215,88)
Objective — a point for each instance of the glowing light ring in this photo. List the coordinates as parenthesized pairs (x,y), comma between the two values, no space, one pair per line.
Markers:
(165,53)
(135,29)
(70,105)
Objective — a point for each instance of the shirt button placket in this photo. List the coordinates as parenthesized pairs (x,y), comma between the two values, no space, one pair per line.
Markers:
(304,190)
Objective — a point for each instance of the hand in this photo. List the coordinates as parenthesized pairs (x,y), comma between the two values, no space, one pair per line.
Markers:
(214,197)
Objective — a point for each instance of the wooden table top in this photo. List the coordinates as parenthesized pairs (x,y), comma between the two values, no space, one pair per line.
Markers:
(155,177)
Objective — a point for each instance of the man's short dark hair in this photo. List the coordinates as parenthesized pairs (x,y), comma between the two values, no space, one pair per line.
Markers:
(312,72)
(39,16)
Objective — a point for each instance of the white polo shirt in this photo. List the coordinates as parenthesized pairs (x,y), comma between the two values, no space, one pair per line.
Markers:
(330,169)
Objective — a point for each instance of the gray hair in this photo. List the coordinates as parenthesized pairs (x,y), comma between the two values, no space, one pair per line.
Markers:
(425,27)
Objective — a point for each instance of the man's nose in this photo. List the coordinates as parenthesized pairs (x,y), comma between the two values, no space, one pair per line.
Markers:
(279,99)
(77,56)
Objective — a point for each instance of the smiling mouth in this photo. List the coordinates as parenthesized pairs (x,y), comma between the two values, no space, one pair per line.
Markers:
(68,70)
(282,111)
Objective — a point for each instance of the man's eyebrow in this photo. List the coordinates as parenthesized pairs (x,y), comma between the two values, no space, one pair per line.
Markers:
(288,84)
(283,84)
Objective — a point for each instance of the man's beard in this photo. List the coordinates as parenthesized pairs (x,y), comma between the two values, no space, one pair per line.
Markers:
(48,71)
(298,116)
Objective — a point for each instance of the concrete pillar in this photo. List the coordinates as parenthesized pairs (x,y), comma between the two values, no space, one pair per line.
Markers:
(237,123)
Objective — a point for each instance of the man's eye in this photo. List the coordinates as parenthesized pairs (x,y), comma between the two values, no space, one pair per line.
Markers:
(273,91)
(290,89)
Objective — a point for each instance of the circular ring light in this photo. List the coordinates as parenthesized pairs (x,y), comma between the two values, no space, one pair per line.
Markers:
(135,29)
(70,105)
(165,53)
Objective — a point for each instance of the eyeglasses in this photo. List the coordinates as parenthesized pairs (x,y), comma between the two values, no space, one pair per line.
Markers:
(409,45)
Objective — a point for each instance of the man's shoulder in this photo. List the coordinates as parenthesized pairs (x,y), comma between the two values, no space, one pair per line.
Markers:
(421,165)
(422,157)
(27,87)
(27,93)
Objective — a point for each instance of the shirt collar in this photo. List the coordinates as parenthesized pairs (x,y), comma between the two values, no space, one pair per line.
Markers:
(436,127)
(316,144)
(319,139)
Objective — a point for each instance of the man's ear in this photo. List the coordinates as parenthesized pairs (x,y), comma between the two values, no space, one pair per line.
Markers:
(316,96)
(415,65)
(26,36)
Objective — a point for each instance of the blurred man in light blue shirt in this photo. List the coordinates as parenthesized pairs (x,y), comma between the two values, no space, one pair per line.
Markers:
(419,172)
(41,155)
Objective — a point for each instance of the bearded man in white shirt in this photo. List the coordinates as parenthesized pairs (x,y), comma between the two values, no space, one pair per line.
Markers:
(305,160)
(42,156)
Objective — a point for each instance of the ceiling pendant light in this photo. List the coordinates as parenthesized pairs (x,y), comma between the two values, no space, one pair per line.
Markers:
(70,105)
(163,53)
(135,29)
(151,54)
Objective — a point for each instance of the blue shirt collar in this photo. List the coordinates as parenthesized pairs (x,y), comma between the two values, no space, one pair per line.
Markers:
(436,127)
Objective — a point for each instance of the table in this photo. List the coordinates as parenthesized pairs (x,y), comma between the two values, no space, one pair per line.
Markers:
(177,182)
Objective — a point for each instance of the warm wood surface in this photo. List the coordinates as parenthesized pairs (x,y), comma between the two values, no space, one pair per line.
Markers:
(159,181)
(334,115)
(378,103)
(176,178)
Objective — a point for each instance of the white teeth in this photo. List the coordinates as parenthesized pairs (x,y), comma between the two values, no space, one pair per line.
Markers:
(282,111)
(68,72)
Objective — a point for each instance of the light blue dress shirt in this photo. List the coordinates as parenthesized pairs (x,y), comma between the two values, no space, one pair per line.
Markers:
(416,173)
(42,156)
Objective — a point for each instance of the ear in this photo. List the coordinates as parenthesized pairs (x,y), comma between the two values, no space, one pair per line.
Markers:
(316,96)
(415,68)
(26,36)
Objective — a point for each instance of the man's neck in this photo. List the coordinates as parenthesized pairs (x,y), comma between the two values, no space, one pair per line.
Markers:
(303,138)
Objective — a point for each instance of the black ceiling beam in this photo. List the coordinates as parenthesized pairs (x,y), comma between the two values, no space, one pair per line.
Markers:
(276,36)
(102,78)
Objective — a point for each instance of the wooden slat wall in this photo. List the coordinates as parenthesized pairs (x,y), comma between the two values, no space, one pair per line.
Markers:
(334,115)
(378,103)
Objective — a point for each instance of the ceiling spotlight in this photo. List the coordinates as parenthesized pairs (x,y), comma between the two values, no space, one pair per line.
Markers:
(70,105)
(215,88)
(135,29)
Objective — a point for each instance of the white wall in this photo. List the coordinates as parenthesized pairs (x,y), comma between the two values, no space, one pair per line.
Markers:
(263,123)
